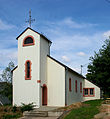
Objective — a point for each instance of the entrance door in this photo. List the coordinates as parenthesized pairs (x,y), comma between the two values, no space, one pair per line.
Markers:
(44,95)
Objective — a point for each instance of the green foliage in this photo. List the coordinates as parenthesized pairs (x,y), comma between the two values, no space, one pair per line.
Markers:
(85,112)
(99,68)
(6,74)
(10,116)
(7,78)
(10,112)
(27,107)
(14,109)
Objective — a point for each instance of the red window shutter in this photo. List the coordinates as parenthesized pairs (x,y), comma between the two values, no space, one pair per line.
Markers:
(80,87)
(76,86)
(70,84)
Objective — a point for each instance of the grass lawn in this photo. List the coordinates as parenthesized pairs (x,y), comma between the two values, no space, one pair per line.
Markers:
(87,111)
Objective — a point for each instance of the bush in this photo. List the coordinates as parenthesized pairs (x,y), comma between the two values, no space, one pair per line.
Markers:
(14,109)
(8,116)
(27,107)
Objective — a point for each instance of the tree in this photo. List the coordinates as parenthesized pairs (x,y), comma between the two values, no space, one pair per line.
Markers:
(6,77)
(99,68)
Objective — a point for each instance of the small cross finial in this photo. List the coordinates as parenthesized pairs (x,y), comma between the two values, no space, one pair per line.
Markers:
(30,19)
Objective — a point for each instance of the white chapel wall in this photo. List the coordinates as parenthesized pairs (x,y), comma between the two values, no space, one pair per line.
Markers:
(44,51)
(73,96)
(88,84)
(27,91)
(56,83)
(15,86)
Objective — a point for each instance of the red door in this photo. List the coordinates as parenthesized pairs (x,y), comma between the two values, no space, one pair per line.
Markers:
(44,95)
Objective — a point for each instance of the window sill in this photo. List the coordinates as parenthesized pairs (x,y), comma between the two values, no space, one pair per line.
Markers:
(28,44)
(27,78)
(88,95)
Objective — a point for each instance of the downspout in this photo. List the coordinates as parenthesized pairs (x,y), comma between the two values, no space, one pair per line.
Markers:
(66,70)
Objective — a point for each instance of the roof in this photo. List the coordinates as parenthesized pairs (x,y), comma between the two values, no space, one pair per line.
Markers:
(4,100)
(92,83)
(14,68)
(35,32)
(67,67)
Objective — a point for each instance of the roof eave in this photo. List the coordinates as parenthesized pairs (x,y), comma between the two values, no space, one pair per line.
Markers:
(66,67)
(35,32)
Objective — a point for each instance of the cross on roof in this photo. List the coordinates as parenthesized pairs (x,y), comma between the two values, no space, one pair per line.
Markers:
(30,19)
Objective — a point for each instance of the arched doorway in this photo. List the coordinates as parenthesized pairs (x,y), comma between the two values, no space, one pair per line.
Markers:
(44,95)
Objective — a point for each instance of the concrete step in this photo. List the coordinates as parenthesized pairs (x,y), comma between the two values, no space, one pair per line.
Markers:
(35,114)
(38,118)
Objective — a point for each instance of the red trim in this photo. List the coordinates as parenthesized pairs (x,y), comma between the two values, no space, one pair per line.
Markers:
(44,94)
(80,87)
(29,43)
(38,81)
(89,92)
(76,86)
(70,84)
(26,78)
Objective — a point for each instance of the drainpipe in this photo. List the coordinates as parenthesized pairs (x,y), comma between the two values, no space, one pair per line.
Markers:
(66,71)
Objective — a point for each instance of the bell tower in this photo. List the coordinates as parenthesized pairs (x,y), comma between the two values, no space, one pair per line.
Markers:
(30,75)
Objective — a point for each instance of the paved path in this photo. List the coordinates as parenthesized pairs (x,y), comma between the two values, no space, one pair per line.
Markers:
(46,108)
(42,109)
(40,118)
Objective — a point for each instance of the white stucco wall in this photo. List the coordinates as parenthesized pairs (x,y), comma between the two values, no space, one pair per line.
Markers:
(73,96)
(56,83)
(88,84)
(27,91)
(44,51)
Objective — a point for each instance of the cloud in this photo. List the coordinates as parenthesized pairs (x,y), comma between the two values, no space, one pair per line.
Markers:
(66,23)
(106,34)
(69,42)
(81,54)
(7,55)
(65,59)
(5,26)
(72,24)
(8,51)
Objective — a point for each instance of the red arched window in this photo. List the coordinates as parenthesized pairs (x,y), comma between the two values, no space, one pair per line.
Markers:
(28,40)
(76,86)
(80,87)
(69,84)
(28,70)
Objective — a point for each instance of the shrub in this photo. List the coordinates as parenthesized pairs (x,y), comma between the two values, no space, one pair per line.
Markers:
(27,107)
(14,109)
(9,116)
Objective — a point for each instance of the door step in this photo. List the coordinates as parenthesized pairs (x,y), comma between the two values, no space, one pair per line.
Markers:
(35,114)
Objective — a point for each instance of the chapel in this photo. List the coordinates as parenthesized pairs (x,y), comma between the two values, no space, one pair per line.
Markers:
(41,79)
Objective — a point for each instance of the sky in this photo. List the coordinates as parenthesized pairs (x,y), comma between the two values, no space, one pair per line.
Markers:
(77,28)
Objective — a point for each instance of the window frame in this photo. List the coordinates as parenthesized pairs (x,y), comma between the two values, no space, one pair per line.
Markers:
(88,92)
(70,89)
(29,43)
(76,87)
(28,78)
(80,87)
